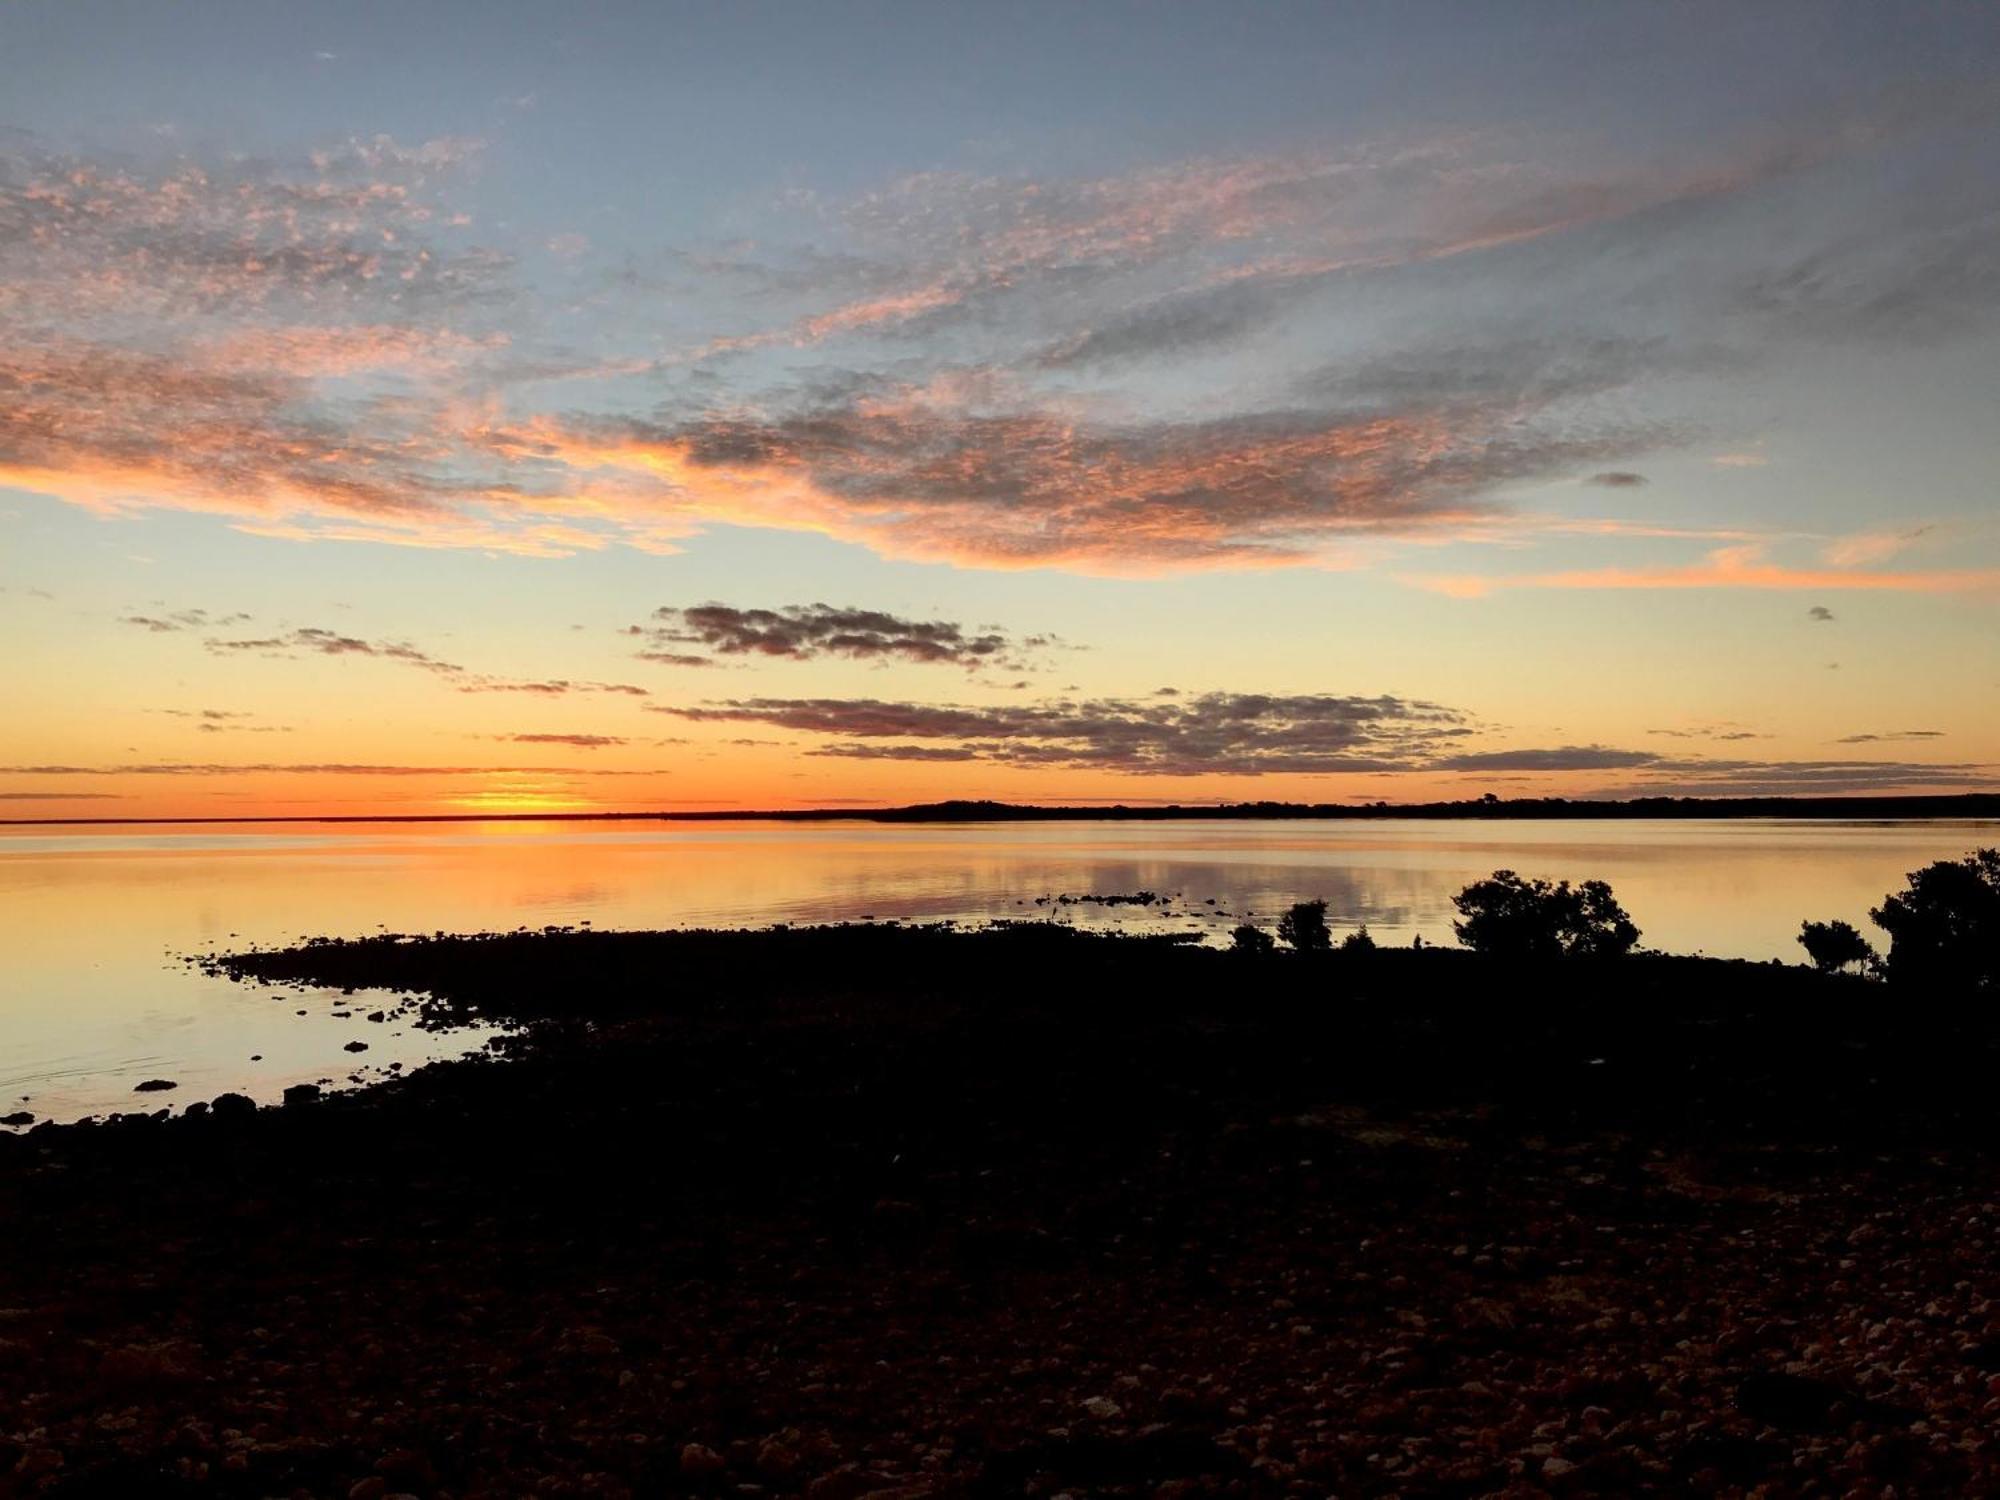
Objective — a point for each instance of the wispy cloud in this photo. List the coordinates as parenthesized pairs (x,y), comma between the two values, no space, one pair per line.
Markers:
(552,687)
(1236,733)
(183,619)
(354,227)
(1804,778)
(1744,567)
(1231,734)
(225,721)
(1558,758)
(1867,548)
(912,475)
(313,640)
(801,632)
(1720,732)
(317,349)
(297,768)
(574,741)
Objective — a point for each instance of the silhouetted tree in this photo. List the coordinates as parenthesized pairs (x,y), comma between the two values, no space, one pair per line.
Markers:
(1506,916)
(1304,927)
(1944,929)
(1249,939)
(1358,941)
(1832,946)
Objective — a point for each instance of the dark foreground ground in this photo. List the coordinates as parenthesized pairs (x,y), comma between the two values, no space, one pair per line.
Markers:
(893,1213)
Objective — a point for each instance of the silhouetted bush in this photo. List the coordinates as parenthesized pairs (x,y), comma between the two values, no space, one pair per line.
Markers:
(1304,927)
(1944,928)
(1249,939)
(1832,946)
(1358,941)
(1506,916)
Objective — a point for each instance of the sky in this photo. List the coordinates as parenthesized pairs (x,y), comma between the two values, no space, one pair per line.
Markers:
(482,407)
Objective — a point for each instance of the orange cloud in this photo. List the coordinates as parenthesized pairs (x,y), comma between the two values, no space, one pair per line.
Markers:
(1868,547)
(1725,568)
(315,352)
(349,229)
(967,468)
(1037,489)
(240,340)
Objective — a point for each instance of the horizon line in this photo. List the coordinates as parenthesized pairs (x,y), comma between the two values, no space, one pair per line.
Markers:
(963,810)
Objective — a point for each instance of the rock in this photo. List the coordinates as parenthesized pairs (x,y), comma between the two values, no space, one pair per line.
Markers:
(232,1106)
(699,1461)
(1737,1459)
(37,1463)
(355,1047)
(1984,1355)
(19,1117)
(849,1482)
(406,1466)
(196,1109)
(1801,1404)
(302,1093)
(374,1487)
(587,1343)
(154,1086)
(1103,1408)
(135,1367)
(779,1455)
(1789,1401)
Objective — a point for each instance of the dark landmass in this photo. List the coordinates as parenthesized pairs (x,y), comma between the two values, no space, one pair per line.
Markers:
(1955,805)
(907,1212)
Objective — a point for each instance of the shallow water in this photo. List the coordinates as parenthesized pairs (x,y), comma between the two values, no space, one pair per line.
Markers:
(94,998)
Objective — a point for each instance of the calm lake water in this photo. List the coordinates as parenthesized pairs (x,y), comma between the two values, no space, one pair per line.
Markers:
(94,997)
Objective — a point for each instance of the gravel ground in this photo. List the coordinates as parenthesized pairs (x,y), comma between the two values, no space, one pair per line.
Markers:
(806,1243)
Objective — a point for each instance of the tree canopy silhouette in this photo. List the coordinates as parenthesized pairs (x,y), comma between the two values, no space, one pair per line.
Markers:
(1304,927)
(1252,939)
(1832,946)
(1944,927)
(1506,916)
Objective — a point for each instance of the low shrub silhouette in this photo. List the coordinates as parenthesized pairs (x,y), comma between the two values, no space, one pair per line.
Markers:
(1944,927)
(1505,916)
(1358,941)
(1250,939)
(1833,946)
(1304,927)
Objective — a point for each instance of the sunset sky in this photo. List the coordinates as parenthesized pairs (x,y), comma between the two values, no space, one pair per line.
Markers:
(457,407)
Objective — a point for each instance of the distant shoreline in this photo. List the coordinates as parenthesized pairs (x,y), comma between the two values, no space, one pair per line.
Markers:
(1900,808)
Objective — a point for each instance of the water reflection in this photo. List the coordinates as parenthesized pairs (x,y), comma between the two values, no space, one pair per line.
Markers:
(93,999)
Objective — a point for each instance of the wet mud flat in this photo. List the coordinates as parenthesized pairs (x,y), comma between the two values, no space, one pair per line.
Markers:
(893,1212)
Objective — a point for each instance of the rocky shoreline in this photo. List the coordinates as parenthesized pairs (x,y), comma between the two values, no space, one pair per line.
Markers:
(875,1211)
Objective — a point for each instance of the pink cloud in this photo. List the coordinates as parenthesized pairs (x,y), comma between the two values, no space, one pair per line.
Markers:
(1742,567)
